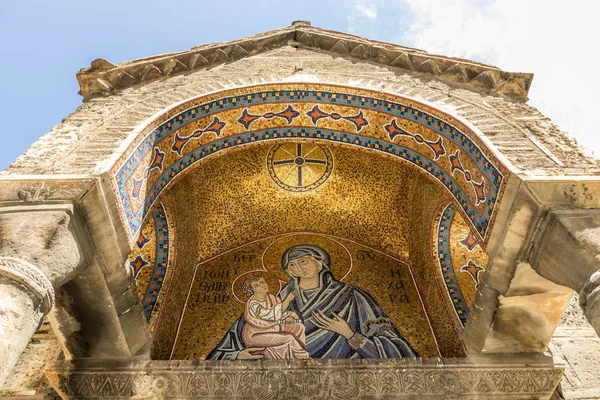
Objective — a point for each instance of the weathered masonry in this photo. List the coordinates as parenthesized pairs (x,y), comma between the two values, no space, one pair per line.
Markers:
(301,214)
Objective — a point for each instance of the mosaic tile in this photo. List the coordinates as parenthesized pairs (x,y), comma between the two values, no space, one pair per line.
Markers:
(388,279)
(460,266)
(342,115)
(230,203)
(153,261)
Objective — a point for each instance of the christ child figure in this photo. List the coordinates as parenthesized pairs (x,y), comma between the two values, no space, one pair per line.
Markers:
(270,325)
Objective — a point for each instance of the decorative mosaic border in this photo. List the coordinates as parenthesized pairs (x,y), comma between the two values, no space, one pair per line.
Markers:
(140,176)
(161,265)
(444,259)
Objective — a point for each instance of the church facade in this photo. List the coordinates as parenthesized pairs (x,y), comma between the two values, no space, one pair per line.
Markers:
(301,214)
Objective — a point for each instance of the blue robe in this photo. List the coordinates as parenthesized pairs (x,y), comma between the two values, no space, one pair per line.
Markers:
(376,336)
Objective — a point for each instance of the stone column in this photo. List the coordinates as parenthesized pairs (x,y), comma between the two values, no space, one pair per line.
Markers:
(26,296)
(39,251)
(567,252)
(589,300)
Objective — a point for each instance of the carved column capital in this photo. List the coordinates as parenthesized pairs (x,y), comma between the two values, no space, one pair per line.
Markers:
(26,274)
(52,237)
(567,252)
(567,247)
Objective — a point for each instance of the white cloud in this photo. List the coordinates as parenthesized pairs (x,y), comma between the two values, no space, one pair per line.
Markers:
(362,11)
(366,8)
(554,40)
(557,41)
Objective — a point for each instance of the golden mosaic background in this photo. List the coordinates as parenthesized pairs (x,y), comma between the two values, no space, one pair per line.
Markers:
(150,246)
(229,207)
(377,120)
(461,256)
(387,279)
(425,203)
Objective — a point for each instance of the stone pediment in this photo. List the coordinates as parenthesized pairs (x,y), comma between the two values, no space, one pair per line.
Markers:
(442,215)
(103,78)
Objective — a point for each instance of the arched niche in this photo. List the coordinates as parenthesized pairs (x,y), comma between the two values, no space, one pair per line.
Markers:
(202,177)
(437,144)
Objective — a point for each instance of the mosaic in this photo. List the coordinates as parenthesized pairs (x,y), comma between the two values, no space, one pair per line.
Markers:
(152,261)
(419,136)
(427,198)
(460,259)
(303,295)
(231,201)
(221,216)
(299,167)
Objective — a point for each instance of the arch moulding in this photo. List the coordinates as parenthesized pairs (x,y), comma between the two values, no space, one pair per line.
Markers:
(445,148)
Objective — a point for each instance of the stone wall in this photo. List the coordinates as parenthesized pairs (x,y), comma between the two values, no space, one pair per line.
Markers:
(28,380)
(574,342)
(577,344)
(90,139)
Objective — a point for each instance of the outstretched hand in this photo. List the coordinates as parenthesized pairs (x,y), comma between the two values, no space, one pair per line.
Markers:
(336,324)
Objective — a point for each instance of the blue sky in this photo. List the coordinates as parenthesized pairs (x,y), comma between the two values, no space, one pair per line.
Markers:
(44,43)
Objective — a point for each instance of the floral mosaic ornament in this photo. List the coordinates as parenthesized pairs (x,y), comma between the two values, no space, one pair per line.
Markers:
(358,120)
(152,261)
(179,142)
(394,130)
(434,143)
(460,260)
(473,270)
(246,119)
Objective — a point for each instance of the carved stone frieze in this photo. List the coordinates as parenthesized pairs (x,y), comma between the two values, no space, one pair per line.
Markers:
(25,273)
(337,379)
(38,192)
(51,189)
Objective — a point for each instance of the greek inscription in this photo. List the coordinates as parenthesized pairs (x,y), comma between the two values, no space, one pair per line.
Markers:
(399,298)
(215,286)
(243,257)
(395,273)
(364,254)
(396,288)
(209,298)
(214,275)
(396,285)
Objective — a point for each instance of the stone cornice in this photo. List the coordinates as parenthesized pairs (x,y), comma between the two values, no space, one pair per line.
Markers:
(306,379)
(103,78)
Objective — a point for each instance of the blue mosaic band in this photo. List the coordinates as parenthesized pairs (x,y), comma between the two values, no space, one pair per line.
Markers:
(445,263)
(487,191)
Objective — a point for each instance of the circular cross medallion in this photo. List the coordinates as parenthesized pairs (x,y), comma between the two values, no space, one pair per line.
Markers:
(299,167)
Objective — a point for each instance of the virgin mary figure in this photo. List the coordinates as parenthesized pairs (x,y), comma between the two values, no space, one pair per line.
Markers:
(341,320)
